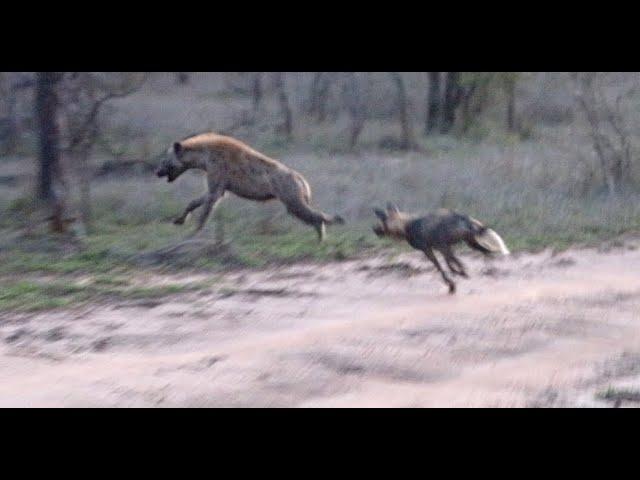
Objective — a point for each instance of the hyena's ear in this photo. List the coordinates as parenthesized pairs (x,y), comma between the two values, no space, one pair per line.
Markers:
(177,148)
(392,208)
(380,214)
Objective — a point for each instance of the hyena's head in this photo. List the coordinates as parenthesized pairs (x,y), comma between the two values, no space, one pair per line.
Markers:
(174,164)
(392,222)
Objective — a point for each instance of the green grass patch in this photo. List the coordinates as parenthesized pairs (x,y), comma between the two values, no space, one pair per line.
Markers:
(113,250)
(619,395)
(32,295)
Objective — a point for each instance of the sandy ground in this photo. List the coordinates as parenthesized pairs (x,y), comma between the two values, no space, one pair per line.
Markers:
(528,330)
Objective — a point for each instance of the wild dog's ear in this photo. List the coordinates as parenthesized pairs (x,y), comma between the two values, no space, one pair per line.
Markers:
(392,208)
(177,148)
(380,214)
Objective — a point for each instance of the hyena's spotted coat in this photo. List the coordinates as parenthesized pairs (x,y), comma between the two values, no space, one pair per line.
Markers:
(233,166)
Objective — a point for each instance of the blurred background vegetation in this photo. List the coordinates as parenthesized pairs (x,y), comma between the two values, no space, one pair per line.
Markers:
(548,159)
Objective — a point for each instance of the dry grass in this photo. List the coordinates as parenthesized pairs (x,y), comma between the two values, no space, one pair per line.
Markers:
(535,192)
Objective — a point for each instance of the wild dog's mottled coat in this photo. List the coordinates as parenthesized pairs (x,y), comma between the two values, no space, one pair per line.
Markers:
(439,230)
(235,167)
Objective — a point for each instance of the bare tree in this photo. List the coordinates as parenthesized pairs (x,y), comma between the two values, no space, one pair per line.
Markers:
(607,125)
(466,97)
(452,97)
(312,105)
(283,100)
(8,122)
(46,113)
(183,78)
(511,106)
(356,102)
(407,139)
(318,95)
(84,96)
(434,102)
(257,90)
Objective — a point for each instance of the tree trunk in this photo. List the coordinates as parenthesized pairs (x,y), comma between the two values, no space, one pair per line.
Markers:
(285,110)
(12,128)
(452,98)
(257,90)
(84,180)
(357,109)
(9,125)
(406,141)
(46,104)
(323,94)
(48,134)
(510,90)
(433,103)
(183,78)
(313,93)
(468,114)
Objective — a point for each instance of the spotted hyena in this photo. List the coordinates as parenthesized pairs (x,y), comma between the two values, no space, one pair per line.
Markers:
(232,166)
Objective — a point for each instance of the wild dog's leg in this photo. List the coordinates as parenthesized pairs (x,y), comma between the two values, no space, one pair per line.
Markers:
(453,268)
(431,256)
(453,263)
(190,208)
(461,269)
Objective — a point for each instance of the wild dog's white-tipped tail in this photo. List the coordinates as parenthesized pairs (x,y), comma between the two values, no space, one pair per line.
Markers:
(492,241)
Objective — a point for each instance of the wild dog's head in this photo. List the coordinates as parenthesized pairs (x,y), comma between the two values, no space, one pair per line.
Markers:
(174,164)
(392,222)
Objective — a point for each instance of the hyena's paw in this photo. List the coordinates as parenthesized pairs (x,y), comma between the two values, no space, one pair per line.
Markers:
(179,221)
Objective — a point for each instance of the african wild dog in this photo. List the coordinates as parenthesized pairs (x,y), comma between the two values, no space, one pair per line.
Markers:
(233,166)
(440,231)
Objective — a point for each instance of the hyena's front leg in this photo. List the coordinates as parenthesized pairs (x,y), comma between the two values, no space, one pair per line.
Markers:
(209,202)
(190,208)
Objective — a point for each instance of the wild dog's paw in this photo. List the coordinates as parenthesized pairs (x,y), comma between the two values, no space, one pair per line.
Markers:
(179,221)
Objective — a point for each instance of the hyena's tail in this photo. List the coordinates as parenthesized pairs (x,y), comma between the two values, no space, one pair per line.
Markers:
(488,239)
(311,216)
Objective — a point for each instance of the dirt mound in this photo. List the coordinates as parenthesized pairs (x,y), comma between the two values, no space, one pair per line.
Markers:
(188,254)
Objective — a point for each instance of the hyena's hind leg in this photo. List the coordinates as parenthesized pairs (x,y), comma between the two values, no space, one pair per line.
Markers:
(321,229)
(295,193)
(431,256)
(301,210)
(190,208)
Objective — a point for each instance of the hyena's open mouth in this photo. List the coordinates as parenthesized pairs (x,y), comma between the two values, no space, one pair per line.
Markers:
(164,173)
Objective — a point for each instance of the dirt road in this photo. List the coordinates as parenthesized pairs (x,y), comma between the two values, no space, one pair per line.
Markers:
(528,330)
